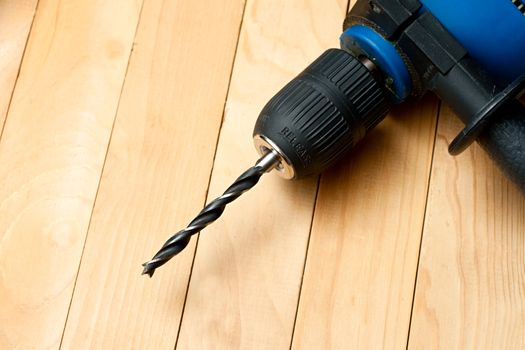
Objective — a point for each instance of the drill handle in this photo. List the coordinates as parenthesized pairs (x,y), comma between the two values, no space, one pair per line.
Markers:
(492,116)
(504,141)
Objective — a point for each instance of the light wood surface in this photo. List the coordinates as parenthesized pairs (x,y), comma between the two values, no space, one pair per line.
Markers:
(15,17)
(156,175)
(364,246)
(123,117)
(51,156)
(471,284)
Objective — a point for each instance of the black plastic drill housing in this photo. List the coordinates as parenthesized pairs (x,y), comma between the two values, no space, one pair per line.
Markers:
(321,114)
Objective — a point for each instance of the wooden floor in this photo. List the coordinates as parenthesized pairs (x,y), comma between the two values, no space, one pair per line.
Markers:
(121,118)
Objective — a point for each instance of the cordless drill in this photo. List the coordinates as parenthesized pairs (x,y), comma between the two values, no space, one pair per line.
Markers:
(470,53)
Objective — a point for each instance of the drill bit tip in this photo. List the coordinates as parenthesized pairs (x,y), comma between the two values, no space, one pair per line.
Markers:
(211,212)
(147,270)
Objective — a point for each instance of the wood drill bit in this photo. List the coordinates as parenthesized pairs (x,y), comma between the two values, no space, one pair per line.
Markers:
(212,211)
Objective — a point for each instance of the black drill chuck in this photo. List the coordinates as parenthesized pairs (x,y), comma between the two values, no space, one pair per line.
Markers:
(321,114)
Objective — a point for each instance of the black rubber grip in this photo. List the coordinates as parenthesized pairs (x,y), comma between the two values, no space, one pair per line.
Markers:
(504,141)
(323,112)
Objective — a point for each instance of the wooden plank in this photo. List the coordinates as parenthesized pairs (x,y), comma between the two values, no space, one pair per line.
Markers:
(362,259)
(470,290)
(16,17)
(51,157)
(247,273)
(156,175)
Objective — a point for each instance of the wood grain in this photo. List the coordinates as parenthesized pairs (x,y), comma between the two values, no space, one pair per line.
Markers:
(246,279)
(278,270)
(51,156)
(156,175)
(470,287)
(363,252)
(16,17)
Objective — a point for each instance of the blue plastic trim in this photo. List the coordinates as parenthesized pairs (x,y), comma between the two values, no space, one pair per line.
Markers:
(492,31)
(364,39)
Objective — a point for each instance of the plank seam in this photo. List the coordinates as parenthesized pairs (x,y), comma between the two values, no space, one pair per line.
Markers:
(19,70)
(305,260)
(101,173)
(424,223)
(212,168)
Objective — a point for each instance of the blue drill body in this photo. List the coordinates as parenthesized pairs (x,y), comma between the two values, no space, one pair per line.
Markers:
(492,32)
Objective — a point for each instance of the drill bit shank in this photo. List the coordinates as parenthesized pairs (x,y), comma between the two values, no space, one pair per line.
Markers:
(211,212)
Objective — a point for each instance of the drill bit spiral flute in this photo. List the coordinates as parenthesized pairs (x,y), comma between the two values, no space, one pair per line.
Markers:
(211,212)
(392,50)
